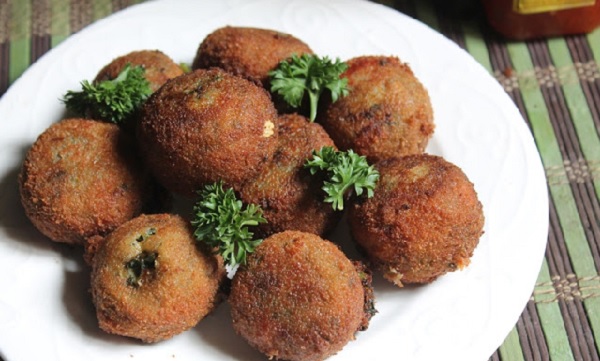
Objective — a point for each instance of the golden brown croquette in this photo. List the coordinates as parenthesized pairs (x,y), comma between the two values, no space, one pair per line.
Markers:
(151,280)
(158,67)
(248,52)
(387,113)
(82,178)
(424,220)
(298,297)
(292,199)
(207,126)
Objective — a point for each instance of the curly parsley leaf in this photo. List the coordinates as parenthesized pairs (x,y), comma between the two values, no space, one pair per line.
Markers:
(346,172)
(111,100)
(222,222)
(309,74)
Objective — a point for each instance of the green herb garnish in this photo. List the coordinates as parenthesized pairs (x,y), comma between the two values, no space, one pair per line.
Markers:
(311,74)
(345,172)
(185,67)
(111,100)
(222,222)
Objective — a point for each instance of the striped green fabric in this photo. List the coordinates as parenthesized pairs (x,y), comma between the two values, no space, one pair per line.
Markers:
(59,21)
(555,83)
(20,34)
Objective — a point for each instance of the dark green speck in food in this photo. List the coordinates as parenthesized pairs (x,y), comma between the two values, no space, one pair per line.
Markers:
(137,266)
(149,232)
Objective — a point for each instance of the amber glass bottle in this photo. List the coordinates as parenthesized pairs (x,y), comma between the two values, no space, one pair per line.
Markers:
(527,19)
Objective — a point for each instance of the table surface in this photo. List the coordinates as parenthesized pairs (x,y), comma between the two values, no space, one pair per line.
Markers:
(555,83)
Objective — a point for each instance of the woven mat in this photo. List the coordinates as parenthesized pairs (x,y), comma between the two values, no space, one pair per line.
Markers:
(555,84)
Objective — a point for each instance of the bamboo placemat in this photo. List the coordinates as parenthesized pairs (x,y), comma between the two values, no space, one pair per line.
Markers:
(555,83)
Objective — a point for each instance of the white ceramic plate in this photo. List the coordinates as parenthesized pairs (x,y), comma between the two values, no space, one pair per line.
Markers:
(45,309)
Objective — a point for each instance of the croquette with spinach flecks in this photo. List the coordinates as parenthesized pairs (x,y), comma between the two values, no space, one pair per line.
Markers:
(152,280)
(299,298)
(424,220)
(83,178)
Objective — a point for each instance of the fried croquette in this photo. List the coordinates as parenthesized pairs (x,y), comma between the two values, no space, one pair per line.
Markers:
(424,220)
(290,198)
(158,67)
(207,126)
(248,52)
(299,297)
(82,178)
(387,113)
(151,280)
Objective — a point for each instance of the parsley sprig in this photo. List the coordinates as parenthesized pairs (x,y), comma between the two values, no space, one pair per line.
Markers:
(111,100)
(222,222)
(345,171)
(311,74)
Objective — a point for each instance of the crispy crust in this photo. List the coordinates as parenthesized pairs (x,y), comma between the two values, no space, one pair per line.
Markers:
(207,126)
(247,52)
(297,298)
(292,199)
(82,178)
(158,66)
(425,219)
(173,296)
(388,112)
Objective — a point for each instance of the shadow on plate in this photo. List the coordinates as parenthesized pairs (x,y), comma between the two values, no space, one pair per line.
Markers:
(76,291)
(13,220)
(216,331)
(77,298)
